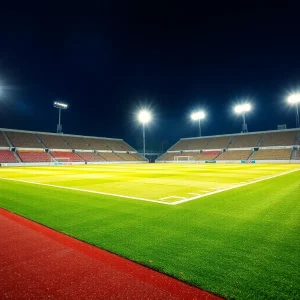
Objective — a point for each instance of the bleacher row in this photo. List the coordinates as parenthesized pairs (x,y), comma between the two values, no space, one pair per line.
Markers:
(267,139)
(35,147)
(250,146)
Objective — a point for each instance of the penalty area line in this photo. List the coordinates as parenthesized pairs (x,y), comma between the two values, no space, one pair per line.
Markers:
(86,191)
(233,187)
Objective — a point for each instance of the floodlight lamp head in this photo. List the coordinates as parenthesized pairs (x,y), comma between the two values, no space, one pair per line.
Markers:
(294,98)
(60,105)
(198,115)
(144,116)
(242,108)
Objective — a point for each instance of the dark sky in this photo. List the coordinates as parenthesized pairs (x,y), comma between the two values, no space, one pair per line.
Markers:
(108,60)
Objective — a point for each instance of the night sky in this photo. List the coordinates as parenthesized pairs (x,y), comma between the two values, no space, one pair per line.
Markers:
(107,61)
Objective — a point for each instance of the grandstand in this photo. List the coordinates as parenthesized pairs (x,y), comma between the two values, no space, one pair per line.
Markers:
(23,139)
(287,138)
(20,147)
(33,156)
(3,142)
(235,155)
(7,156)
(67,156)
(272,154)
(207,155)
(90,156)
(245,140)
(257,146)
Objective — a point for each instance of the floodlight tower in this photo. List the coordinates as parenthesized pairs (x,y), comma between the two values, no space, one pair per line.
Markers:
(294,99)
(144,117)
(243,109)
(198,116)
(60,106)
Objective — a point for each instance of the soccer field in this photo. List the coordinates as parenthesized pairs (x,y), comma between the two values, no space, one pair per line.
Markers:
(229,229)
(161,183)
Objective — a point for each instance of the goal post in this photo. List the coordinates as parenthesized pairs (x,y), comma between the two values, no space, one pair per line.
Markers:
(183,158)
(60,161)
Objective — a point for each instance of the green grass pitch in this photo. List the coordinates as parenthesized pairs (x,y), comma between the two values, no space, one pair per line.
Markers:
(233,230)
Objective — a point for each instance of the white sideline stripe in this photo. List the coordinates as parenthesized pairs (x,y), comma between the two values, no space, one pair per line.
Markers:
(194,194)
(87,191)
(233,187)
(165,198)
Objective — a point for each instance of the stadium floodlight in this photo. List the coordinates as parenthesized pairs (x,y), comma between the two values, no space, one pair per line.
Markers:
(294,99)
(144,117)
(60,106)
(198,116)
(243,109)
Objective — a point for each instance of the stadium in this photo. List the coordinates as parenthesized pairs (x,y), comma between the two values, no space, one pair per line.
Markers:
(127,166)
(210,210)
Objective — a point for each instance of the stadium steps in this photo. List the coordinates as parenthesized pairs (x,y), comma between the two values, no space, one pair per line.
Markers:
(17,157)
(293,155)
(261,141)
(40,141)
(297,140)
(250,156)
(7,139)
(51,156)
(102,157)
(218,155)
(119,156)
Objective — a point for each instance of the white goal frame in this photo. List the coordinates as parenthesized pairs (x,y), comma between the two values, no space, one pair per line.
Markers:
(61,161)
(186,158)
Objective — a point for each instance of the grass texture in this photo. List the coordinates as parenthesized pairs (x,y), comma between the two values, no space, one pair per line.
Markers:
(240,244)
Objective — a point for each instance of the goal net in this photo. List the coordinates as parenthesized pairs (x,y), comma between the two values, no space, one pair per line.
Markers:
(60,161)
(183,158)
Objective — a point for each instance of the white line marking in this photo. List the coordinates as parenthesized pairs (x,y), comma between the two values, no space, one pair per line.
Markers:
(88,191)
(194,194)
(233,187)
(165,198)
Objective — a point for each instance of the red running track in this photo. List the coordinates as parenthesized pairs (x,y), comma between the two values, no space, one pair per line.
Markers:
(37,262)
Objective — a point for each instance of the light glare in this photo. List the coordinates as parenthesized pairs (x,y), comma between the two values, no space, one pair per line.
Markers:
(294,98)
(60,105)
(242,108)
(198,115)
(144,116)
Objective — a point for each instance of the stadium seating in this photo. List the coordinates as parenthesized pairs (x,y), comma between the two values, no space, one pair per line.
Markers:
(108,144)
(138,157)
(90,156)
(235,155)
(245,141)
(190,144)
(126,156)
(7,156)
(78,143)
(109,156)
(297,155)
(272,154)
(34,156)
(207,155)
(285,138)
(23,139)
(119,145)
(69,156)
(53,141)
(3,142)
(219,142)
(98,144)
(202,143)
